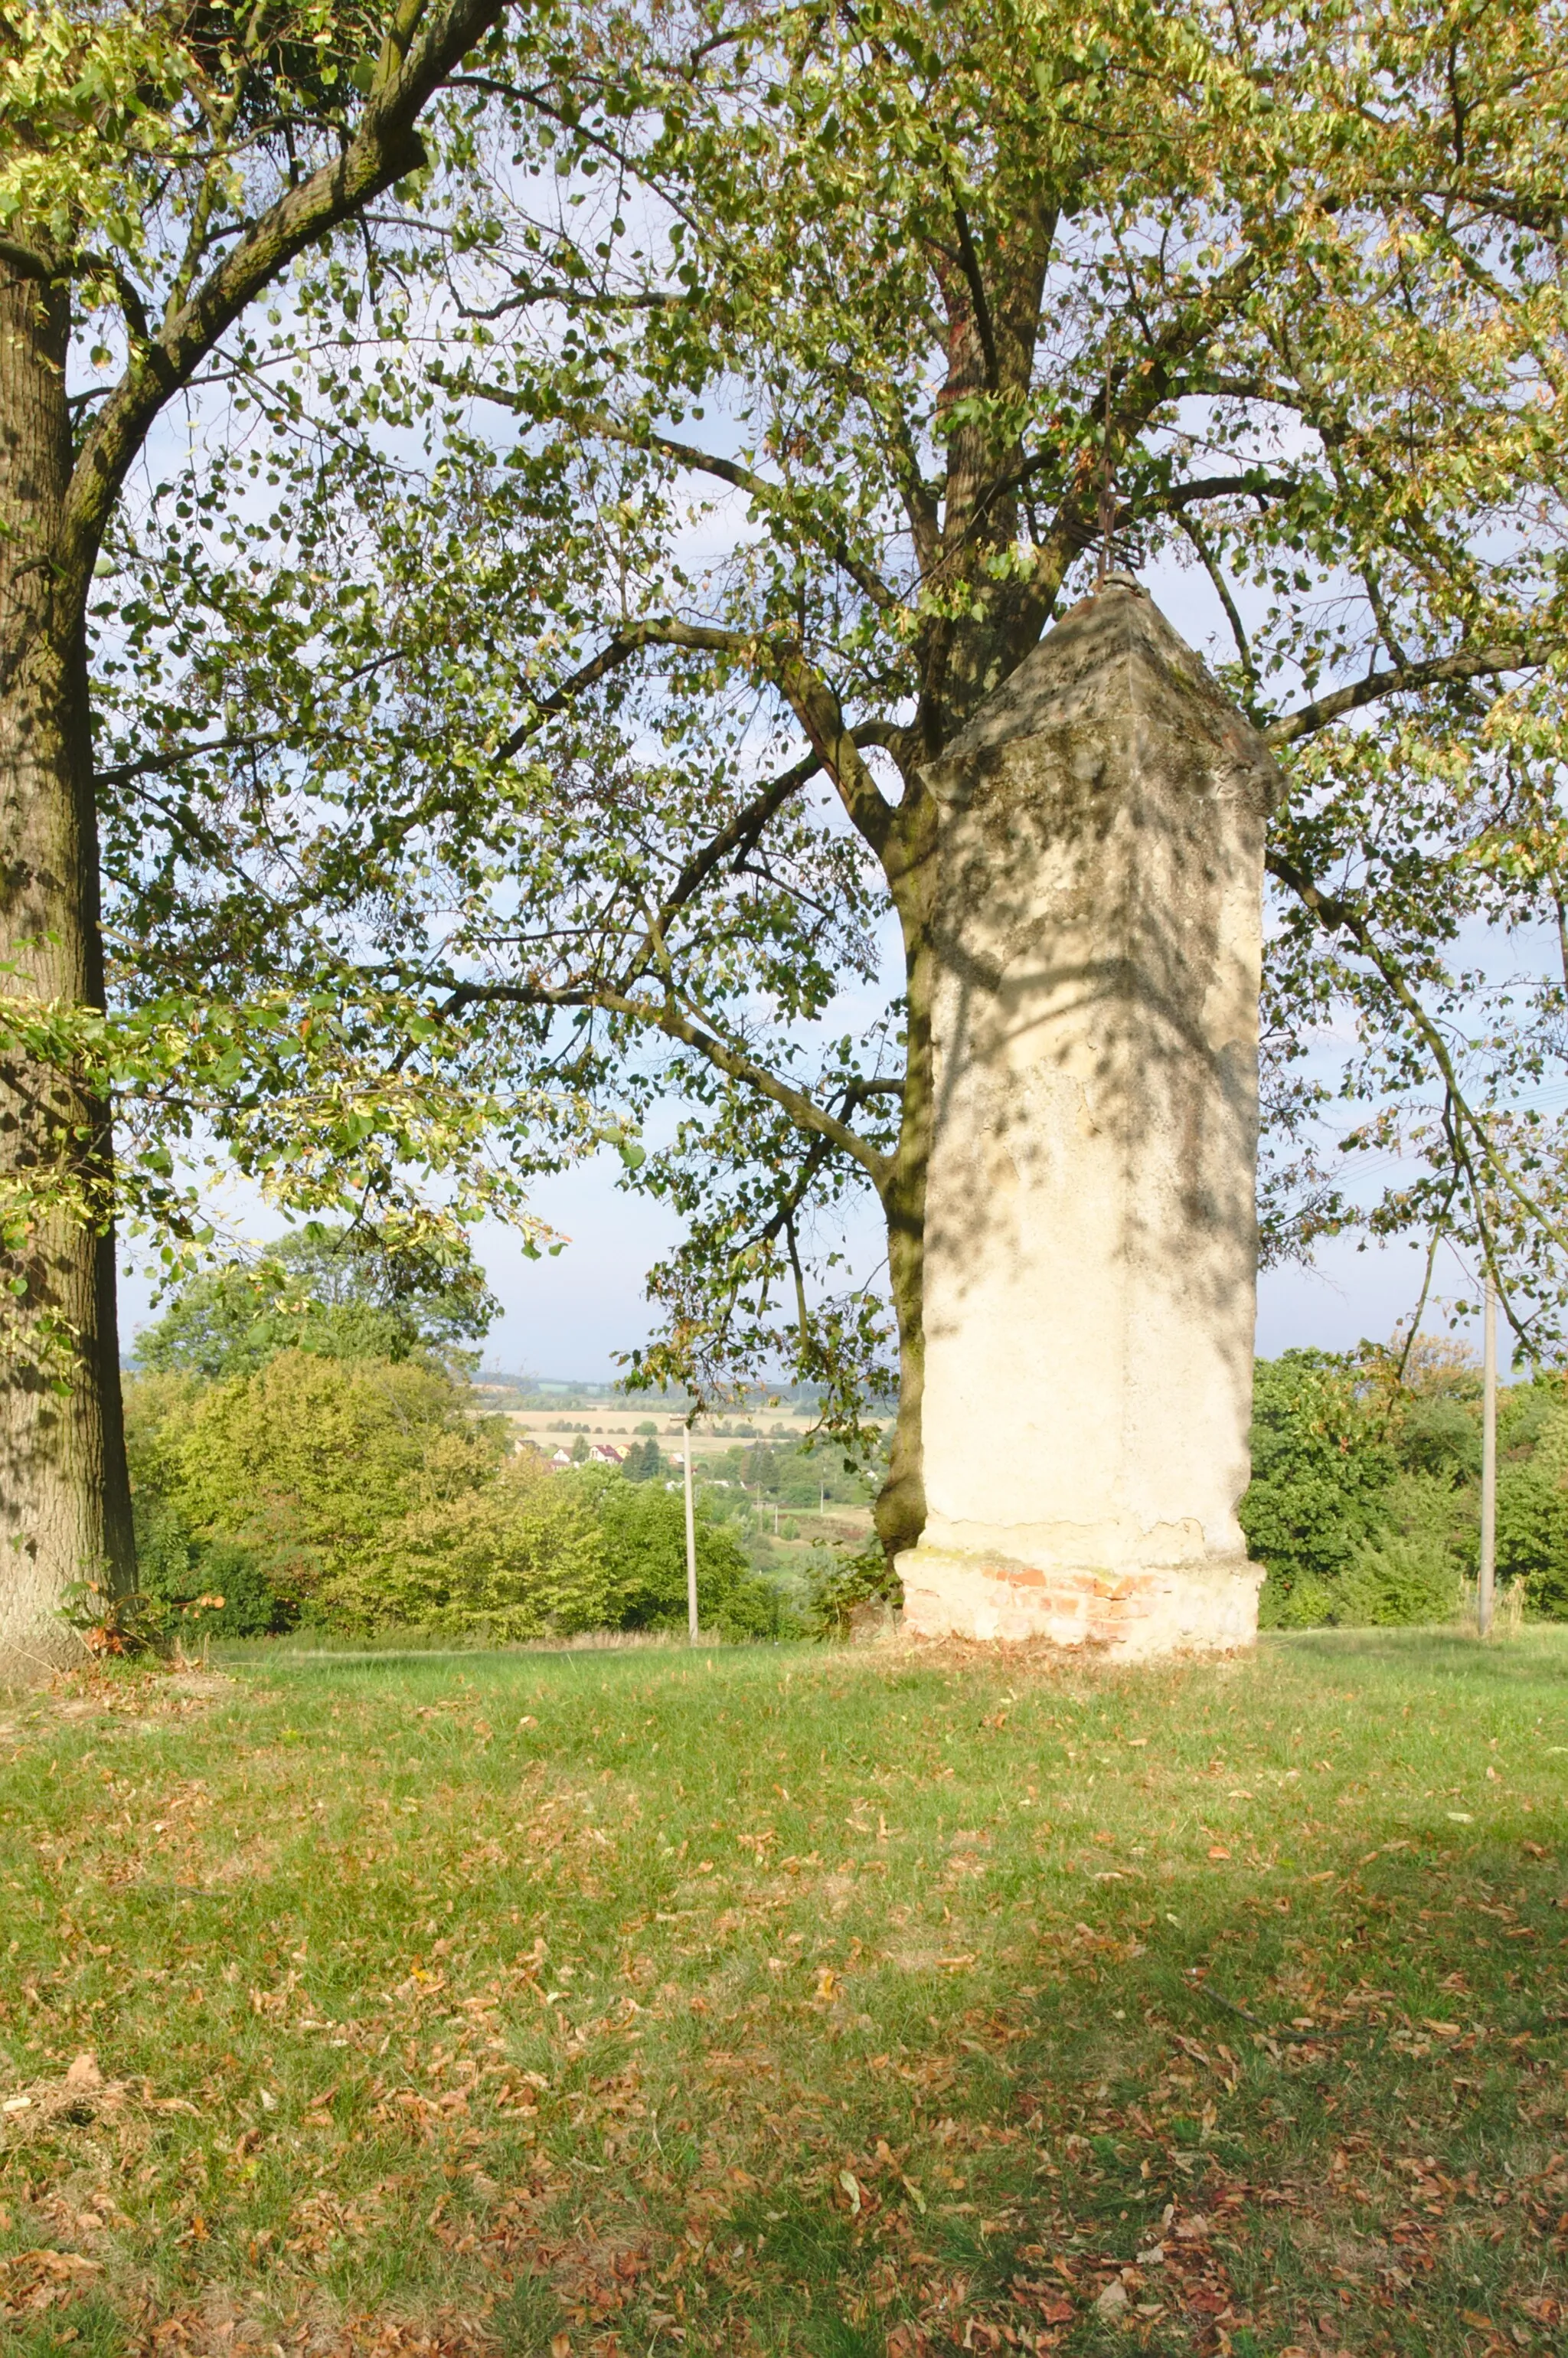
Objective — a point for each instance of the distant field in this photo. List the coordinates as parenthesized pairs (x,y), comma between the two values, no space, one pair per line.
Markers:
(791,2001)
(622,1424)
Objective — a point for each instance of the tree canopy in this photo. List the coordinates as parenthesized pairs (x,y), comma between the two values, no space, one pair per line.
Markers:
(161,170)
(572,686)
(325,1289)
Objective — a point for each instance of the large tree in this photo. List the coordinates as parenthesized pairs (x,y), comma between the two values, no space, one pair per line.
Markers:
(835,349)
(160,168)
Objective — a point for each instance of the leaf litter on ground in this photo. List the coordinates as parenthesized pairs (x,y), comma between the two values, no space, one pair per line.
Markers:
(774,2001)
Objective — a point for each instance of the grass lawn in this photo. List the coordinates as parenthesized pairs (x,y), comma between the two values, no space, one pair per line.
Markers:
(792,2001)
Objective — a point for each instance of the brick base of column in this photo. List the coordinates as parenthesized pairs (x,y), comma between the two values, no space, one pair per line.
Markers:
(1133,1615)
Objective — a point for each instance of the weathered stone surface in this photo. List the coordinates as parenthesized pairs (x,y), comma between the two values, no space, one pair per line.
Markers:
(1090,1224)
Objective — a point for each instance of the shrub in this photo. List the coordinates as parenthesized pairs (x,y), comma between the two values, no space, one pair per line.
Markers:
(193,1588)
(1442,1435)
(310,1461)
(644,1538)
(1397,1581)
(521,1557)
(1407,1568)
(1306,1603)
(362,1493)
(1532,1507)
(1321,1466)
(840,1585)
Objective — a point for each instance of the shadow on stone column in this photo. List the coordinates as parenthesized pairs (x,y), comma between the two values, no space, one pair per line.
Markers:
(1091,1241)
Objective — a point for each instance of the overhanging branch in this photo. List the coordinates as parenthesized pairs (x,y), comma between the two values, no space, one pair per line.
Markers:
(772,496)
(425,42)
(1397,679)
(666,1016)
(1337,915)
(776,659)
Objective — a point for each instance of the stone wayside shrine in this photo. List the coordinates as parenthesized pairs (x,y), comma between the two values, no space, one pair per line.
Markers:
(1091,1244)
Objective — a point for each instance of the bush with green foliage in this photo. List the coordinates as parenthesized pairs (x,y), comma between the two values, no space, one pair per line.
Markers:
(194,1588)
(1532,1499)
(1365,1499)
(644,1538)
(521,1556)
(841,1587)
(310,1461)
(364,1495)
(1321,1467)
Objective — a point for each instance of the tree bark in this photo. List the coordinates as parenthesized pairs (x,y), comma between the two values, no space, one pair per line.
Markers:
(65,1512)
(907,858)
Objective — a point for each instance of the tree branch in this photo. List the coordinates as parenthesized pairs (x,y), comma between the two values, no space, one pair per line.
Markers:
(667,1017)
(422,47)
(1207,487)
(1395,681)
(970,262)
(25,263)
(1338,915)
(773,496)
(739,836)
(1211,565)
(575,298)
(123,773)
(816,707)
(661,631)
(1144,390)
(777,660)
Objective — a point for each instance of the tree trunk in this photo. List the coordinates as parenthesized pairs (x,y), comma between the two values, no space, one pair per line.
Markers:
(65,1515)
(900,1512)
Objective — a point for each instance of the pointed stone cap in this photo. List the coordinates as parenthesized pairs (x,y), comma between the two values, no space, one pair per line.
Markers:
(1112,655)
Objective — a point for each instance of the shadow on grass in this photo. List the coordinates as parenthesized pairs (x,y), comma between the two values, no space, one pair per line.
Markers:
(1539,1652)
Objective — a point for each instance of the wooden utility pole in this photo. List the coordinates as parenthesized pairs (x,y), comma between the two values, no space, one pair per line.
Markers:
(1486,1586)
(690,1549)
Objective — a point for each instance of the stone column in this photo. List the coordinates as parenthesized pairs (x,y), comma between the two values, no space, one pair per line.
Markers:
(1091,1245)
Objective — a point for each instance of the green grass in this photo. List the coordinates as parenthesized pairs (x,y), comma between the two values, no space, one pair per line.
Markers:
(782,2001)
